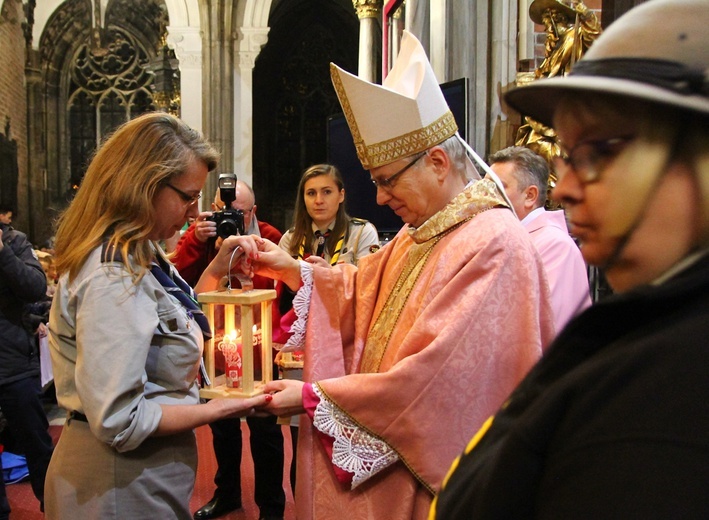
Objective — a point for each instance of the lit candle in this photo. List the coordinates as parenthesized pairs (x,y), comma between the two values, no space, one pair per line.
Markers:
(230,346)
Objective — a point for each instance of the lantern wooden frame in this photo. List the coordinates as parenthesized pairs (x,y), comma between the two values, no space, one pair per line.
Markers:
(246,300)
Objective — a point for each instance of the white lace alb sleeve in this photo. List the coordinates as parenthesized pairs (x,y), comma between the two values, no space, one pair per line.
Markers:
(301,306)
(354,450)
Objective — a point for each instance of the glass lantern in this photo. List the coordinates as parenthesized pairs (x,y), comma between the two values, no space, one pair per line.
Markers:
(238,358)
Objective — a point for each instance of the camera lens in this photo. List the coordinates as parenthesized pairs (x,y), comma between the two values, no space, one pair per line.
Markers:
(227,228)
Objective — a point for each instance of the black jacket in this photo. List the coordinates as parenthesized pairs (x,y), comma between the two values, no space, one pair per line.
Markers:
(22,281)
(613,422)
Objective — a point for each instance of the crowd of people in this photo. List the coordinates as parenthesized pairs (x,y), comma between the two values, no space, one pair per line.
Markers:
(460,371)
(22,283)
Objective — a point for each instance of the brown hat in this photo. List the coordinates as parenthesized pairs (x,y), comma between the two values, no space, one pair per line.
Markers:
(657,52)
(537,8)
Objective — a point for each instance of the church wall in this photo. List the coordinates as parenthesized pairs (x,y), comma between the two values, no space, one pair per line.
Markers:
(13,101)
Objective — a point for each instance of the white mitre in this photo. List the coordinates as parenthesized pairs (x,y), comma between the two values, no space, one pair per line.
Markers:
(405,115)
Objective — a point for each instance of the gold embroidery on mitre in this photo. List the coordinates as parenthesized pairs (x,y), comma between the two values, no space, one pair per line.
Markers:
(388,151)
(349,115)
(385,152)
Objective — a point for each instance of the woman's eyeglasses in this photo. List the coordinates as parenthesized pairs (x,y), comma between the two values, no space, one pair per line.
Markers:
(189,200)
(589,158)
(388,183)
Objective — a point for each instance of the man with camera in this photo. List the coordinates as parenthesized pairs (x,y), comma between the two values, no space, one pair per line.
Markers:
(22,282)
(234,212)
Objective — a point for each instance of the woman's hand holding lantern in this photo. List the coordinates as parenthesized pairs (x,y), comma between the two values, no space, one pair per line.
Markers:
(236,252)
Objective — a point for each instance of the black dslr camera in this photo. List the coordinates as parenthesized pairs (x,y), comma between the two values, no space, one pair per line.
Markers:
(229,221)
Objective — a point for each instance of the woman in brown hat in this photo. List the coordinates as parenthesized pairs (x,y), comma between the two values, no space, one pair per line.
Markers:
(613,421)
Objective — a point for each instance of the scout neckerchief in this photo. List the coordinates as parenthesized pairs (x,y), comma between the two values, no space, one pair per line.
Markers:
(177,287)
(321,237)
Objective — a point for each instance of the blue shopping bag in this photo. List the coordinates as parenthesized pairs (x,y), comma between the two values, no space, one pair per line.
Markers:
(14,468)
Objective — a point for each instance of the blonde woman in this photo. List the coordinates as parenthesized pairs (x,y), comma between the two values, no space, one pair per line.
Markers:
(126,336)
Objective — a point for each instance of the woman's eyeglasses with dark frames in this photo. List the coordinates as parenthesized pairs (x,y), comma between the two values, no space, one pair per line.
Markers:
(588,158)
(190,200)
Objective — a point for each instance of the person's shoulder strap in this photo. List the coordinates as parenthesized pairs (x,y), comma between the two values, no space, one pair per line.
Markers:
(360,223)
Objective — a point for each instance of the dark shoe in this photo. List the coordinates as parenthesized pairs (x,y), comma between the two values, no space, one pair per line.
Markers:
(218,506)
(271,518)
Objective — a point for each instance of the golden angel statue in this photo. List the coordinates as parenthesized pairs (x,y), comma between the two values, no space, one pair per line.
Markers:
(570,29)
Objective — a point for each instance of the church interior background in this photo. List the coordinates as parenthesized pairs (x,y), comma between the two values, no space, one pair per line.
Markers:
(252,75)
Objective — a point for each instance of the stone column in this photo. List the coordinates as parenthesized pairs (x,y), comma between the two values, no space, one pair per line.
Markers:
(503,70)
(218,95)
(438,51)
(41,195)
(397,24)
(250,40)
(525,38)
(187,43)
(369,13)
(417,20)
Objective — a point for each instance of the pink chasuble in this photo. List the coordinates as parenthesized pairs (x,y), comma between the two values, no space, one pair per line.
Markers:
(473,323)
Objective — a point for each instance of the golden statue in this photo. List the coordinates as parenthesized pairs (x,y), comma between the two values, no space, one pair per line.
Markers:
(570,29)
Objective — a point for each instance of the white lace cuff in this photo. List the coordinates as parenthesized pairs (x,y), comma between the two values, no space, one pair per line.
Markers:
(354,450)
(301,306)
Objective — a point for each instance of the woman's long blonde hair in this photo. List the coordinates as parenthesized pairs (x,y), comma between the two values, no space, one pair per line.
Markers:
(115,201)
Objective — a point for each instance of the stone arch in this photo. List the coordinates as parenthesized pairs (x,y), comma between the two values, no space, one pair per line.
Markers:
(251,34)
(185,39)
(183,13)
(252,13)
(64,33)
(250,20)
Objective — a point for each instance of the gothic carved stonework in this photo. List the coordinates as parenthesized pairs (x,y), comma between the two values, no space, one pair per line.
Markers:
(187,43)
(246,59)
(368,8)
(28,24)
(147,18)
(123,67)
(76,97)
(189,59)
(10,12)
(66,25)
(250,43)
(252,39)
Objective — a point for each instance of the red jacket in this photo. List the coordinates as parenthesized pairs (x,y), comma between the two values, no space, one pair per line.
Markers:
(192,256)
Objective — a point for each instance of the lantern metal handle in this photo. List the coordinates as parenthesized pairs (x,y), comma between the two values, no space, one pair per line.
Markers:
(247,284)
